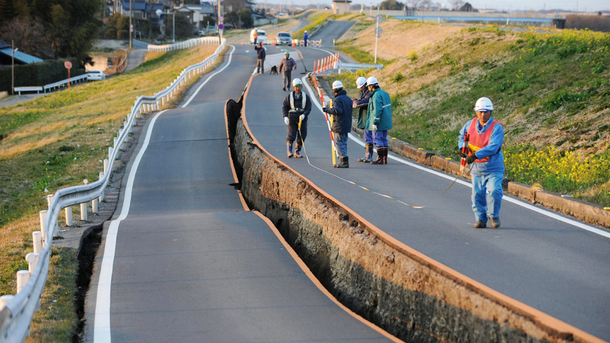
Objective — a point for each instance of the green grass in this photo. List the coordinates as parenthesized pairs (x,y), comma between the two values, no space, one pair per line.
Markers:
(316,20)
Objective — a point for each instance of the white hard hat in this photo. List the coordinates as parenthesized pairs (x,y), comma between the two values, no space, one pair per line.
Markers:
(297,82)
(337,84)
(305,30)
(483,104)
(361,81)
(371,81)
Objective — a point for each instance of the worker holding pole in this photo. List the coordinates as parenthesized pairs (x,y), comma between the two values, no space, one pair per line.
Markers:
(342,121)
(485,139)
(379,118)
(296,108)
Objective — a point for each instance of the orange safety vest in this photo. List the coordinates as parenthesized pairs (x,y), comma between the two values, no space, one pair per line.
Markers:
(477,140)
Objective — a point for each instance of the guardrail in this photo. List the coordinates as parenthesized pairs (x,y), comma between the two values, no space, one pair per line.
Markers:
(325,63)
(186,44)
(356,66)
(52,86)
(16,311)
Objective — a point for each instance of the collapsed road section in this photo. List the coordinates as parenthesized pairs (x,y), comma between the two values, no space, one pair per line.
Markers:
(410,295)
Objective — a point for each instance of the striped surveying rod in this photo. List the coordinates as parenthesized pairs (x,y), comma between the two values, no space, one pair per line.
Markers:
(332,138)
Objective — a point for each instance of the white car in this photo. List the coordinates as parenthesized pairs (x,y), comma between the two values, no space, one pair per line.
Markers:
(93,75)
(262,36)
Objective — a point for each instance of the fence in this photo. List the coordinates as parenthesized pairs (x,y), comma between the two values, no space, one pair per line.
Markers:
(52,86)
(186,44)
(325,63)
(16,311)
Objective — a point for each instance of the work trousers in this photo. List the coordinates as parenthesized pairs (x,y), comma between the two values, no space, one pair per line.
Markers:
(381,138)
(487,195)
(293,130)
(341,142)
(286,81)
(368,136)
(260,66)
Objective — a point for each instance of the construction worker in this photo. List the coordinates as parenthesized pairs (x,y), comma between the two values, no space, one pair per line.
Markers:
(305,38)
(287,65)
(342,121)
(485,139)
(296,108)
(379,118)
(362,104)
(260,54)
(255,35)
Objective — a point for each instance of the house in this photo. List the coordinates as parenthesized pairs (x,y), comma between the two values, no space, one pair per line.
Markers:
(197,13)
(141,9)
(341,6)
(6,56)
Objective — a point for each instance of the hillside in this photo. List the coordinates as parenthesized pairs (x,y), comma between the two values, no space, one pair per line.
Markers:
(551,90)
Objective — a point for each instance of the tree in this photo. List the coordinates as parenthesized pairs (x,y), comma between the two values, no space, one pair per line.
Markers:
(456,4)
(7,12)
(391,5)
(245,15)
(29,33)
(233,18)
(184,28)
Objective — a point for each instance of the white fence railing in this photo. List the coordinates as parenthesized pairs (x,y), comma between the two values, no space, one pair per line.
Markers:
(186,44)
(52,86)
(16,311)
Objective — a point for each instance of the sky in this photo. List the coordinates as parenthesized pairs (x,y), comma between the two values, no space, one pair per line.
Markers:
(511,5)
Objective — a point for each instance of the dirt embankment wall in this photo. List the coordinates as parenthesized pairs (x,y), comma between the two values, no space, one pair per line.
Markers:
(404,292)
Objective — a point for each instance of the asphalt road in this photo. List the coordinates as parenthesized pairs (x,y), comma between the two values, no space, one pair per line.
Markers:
(184,262)
(540,260)
(333,30)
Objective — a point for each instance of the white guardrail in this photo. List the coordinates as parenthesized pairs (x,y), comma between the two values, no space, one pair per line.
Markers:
(186,44)
(16,312)
(52,86)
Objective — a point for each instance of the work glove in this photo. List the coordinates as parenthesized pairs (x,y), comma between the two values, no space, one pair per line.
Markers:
(286,121)
(471,158)
(462,154)
(323,109)
(302,117)
(374,127)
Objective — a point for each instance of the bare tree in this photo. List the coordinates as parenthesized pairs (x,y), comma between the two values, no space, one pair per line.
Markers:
(456,4)
(413,3)
(29,33)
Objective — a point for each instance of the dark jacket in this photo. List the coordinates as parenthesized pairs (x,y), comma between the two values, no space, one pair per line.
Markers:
(287,64)
(379,111)
(260,52)
(297,104)
(342,113)
(362,105)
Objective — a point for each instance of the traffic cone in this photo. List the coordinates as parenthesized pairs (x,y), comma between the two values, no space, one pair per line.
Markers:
(273,42)
(242,43)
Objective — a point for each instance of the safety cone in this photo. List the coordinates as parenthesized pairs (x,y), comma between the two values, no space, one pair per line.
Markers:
(293,43)
(274,43)
(242,43)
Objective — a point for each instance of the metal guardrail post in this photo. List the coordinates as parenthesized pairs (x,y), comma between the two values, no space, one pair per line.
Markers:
(68,212)
(43,219)
(83,211)
(37,241)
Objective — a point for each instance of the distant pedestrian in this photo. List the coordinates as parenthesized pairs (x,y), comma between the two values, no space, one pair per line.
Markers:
(342,122)
(260,54)
(379,118)
(485,139)
(296,108)
(362,104)
(287,65)
(255,35)
(305,38)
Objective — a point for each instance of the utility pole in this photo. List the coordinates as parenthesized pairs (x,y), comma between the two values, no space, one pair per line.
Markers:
(130,26)
(13,67)
(218,23)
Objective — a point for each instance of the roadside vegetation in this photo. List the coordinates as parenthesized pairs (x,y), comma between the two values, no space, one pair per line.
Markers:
(57,141)
(316,20)
(551,90)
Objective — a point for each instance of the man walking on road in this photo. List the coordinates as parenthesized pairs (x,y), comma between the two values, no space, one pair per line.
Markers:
(485,139)
(379,118)
(296,108)
(305,38)
(286,67)
(362,104)
(342,121)
(260,54)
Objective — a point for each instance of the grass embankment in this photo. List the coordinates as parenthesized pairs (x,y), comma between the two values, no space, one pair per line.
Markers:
(550,90)
(316,20)
(57,141)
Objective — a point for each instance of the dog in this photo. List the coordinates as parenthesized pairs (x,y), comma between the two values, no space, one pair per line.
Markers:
(274,70)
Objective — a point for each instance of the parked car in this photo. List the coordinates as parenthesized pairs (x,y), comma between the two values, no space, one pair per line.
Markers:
(93,75)
(199,33)
(211,30)
(283,38)
(262,36)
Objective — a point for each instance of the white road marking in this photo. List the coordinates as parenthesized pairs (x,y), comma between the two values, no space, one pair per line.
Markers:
(209,78)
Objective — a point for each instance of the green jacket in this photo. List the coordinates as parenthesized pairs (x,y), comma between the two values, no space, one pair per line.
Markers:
(379,111)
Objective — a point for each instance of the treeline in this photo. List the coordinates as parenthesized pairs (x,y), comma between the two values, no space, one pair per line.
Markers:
(51,28)
(591,22)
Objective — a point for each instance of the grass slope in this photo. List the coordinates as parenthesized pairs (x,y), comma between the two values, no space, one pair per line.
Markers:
(551,91)
(57,141)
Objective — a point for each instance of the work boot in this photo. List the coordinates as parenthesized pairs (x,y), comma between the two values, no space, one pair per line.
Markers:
(284,89)
(495,222)
(382,154)
(368,153)
(289,150)
(343,164)
(480,225)
(297,152)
